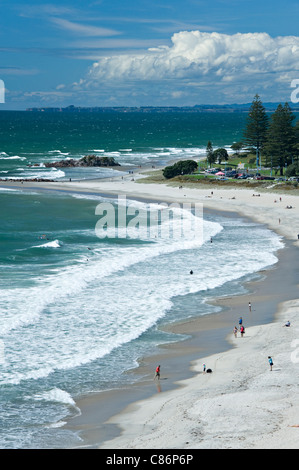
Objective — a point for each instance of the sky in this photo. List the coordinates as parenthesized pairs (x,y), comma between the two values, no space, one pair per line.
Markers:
(147,52)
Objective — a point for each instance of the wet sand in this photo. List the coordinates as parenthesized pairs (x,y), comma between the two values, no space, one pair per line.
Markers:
(119,418)
(102,413)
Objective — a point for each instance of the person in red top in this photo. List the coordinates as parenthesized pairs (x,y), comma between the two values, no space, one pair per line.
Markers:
(157,373)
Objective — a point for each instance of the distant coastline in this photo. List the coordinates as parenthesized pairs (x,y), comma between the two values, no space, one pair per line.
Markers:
(225,108)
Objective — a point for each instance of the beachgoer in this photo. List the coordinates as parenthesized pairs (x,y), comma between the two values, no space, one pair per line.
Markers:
(191,272)
(287,323)
(270,362)
(240,321)
(204,368)
(242,331)
(157,373)
(235,331)
(249,306)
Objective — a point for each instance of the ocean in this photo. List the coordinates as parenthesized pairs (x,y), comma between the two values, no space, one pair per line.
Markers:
(28,140)
(78,310)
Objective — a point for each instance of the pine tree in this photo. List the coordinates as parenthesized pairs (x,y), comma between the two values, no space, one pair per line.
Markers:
(281,137)
(255,132)
(210,153)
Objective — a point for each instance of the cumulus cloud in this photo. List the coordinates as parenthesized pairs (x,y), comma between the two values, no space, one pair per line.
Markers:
(198,67)
(196,54)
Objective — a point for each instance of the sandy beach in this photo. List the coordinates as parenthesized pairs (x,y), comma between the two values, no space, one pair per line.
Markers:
(280,212)
(241,404)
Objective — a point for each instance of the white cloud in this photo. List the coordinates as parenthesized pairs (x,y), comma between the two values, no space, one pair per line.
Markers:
(85,30)
(197,68)
(198,54)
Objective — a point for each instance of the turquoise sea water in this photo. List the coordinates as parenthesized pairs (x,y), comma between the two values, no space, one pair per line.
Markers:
(77,311)
(28,140)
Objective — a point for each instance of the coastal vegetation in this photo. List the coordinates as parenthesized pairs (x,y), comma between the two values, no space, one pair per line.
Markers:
(183,167)
(269,150)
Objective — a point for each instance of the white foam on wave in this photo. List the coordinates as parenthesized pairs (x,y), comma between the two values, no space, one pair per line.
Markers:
(59,152)
(52,244)
(84,311)
(55,395)
(37,173)
(14,157)
(9,189)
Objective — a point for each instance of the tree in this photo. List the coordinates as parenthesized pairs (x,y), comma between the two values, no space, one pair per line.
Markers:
(220,154)
(237,147)
(293,170)
(255,132)
(281,137)
(210,154)
(183,167)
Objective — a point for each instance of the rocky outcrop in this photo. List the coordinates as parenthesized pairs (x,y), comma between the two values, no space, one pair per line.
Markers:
(87,161)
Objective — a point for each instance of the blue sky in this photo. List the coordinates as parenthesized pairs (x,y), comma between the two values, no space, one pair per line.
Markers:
(147,53)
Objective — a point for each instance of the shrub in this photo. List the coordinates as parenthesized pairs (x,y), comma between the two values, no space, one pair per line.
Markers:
(183,167)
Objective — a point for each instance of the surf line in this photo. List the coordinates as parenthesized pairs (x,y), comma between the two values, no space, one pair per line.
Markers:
(151,220)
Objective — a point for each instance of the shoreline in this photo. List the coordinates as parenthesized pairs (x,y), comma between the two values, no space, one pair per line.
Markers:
(181,363)
(126,413)
(243,201)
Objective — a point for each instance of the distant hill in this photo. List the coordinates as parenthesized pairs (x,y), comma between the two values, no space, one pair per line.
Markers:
(233,108)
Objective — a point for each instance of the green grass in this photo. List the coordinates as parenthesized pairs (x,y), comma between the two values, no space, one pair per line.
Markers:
(206,180)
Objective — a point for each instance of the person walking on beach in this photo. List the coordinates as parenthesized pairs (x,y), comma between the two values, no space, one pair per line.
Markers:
(270,362)
(204,367)
(157,373)
(235,331)
(240,321)
(249,306)
(242,331)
